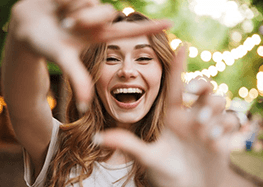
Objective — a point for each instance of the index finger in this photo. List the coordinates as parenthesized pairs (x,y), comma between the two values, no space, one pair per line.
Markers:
(175,81)
(117,31)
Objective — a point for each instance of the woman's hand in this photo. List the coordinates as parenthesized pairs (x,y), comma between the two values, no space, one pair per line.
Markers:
(193,148)
(58,30)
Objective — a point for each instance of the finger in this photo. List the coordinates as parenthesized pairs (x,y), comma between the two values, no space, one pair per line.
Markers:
(208,106)
(176,85)
(69,6)
(199,87)
(79,78)
(230,123)
(194,89)
(124,140)
(177,119)
(221,125)
(90,17)
(216,102)
(220,131)
(123,30)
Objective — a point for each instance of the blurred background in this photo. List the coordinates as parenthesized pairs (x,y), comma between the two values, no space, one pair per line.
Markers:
(225,45)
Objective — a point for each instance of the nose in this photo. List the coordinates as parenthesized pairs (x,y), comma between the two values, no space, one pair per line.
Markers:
(127,70)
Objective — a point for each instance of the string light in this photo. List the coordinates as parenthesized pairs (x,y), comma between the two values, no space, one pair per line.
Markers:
(260,51)
(206,73)
(193,52)
(259,75)
(220,66)
(227,57)
(248,99)
(213,71)
(243,92)
(206,56)
(175,43)
(214,84)
(253,93)
(223,87)
(256,38)
(217,56)
(260,81)
(236,36)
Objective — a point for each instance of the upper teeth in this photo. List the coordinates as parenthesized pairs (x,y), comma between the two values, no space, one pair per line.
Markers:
(127,90)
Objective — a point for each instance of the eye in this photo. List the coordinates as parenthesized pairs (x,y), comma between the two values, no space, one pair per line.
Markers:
(144,59)
(108,59)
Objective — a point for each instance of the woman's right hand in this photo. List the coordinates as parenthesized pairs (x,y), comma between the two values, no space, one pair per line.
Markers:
(59,30)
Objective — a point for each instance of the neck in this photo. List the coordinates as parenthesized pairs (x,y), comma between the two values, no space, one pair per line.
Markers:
(118,157)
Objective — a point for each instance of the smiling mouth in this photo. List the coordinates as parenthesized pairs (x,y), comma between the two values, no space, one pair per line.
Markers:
(127,95)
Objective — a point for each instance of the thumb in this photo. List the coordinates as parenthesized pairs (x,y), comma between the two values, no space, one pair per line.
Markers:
(124,140)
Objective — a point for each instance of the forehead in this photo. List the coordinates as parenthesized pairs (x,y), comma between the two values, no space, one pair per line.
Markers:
(143,39)
(130,42)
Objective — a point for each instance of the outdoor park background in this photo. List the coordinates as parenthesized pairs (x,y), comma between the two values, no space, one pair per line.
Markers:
(225,44)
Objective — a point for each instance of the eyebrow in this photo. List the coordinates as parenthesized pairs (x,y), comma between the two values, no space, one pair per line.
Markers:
(140,46)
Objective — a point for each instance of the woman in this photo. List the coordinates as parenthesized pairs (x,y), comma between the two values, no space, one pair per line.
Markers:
(130,67)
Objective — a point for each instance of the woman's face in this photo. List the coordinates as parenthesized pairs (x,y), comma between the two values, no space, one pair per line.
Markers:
(130,79)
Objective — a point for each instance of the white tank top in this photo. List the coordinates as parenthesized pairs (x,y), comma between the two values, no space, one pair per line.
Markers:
(103,175)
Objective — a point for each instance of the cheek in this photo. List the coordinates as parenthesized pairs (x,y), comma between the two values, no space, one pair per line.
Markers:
(102,83)
(154,76)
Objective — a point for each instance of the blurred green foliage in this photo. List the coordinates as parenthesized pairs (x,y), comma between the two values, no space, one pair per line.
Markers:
(202,32)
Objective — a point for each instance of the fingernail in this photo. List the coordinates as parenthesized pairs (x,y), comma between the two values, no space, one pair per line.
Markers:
(82,107)
(204,115)
(68,23)
(193,87)
(216,132)
(97,139)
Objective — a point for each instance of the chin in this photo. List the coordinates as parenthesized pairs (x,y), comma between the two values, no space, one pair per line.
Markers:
(127,119)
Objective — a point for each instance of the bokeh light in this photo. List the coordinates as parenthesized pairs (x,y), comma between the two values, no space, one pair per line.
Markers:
(128,10)
(228,102)
(253,93)
(260,75)
(193,52)
(223,87)
(236,36)
(214,83)
(213,71)
(175,43)
(260,51)
(256,38)
(217,56)
(220,66)
(243,92)
(206,56)
(52,102)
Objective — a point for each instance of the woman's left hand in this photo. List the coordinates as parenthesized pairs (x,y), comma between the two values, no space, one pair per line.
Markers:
(193,147)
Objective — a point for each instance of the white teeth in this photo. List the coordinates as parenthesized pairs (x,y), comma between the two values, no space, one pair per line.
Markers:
(127,90)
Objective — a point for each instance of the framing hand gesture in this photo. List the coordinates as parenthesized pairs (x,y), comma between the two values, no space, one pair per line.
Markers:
(192,149)
(59,30)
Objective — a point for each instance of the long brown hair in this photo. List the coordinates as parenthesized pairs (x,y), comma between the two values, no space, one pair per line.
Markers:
(75,138)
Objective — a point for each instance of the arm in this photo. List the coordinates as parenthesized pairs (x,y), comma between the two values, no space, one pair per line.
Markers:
(232,179)
(36,34)
(25,86)
(192,150)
